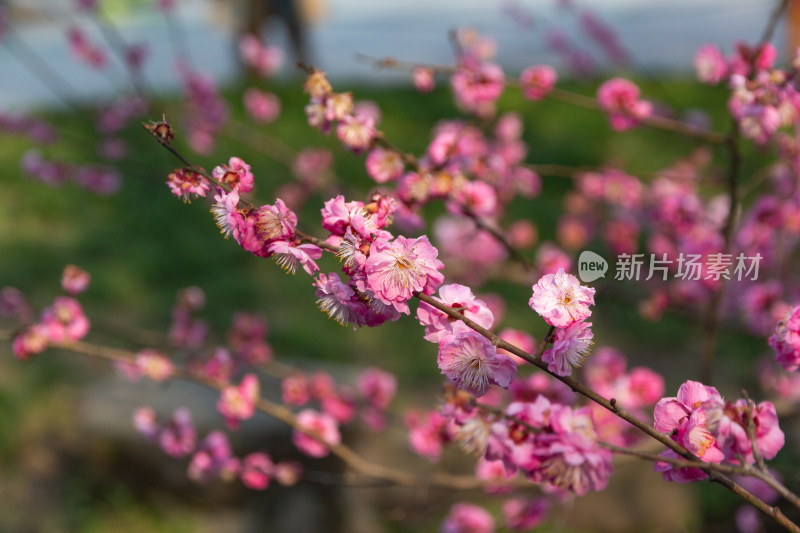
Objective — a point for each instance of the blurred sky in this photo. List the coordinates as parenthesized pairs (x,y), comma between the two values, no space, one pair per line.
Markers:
(659,36)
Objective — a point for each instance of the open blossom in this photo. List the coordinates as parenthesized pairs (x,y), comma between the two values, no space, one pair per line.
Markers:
(537,81)
(472,363)
(786,340)
(236,174)
(570,348)
(338,300)
(439,325)
(620,99)
(288,256)
(476,86)
(323,425)
(524,515)
(768,437)
(75,280)
(561,299)
(226,213)
(275,221)
(187,184)
(239,403)
(396,269)
(264,59)
(468,518)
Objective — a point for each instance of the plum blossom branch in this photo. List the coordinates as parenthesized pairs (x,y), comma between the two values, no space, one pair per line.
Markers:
(612,406)
(375,471)
(569,97)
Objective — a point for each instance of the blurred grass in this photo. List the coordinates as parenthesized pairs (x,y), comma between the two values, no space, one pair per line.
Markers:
(142,245)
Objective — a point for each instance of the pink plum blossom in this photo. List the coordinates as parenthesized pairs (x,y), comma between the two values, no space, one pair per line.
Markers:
(710,65)
(439,325)
(377,387)
(537,81)
(468,518)
(256,470)
(322,426)
(30,341)
(424,79)
(786,340)
(561,300)
(154,365)
(384,165)
(212,459)
(571,347)
(178,437)
(236,174)
(75,280)
(263,107)
(237,403)
(275,222)
(289,256)
(396,269)
(65,320)
(472,363)
(356,132)
(524,515)
(620,99)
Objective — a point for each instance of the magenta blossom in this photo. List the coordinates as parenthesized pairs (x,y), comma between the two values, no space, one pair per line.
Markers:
(178,437)
(439,325)
(537,81)
(262,106)
(786,340)
(187,184)
(75,280)
(236,174)
(710,65)
(424,79)
(65,320)
(571,347)
(561,299)
(212,459)
(288,256)
(239,403)
(154,365)
(472,363)
(468,518)
(620,99)
(377,387)
(323,426)
(30,341)
(384,165)
(396,269)
(256,470)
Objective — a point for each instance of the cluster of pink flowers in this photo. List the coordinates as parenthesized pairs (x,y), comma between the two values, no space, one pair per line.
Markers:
(206,112)
(715,430)
(477,83)
(63,321)
(187,331)
(99,179)
(265,60)
(213,457)
(355,125)
(564,304)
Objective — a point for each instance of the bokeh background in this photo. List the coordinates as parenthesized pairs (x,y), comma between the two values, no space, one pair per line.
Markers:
(69,457)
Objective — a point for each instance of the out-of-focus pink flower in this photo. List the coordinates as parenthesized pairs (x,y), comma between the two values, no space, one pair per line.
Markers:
(75,280)
(356,132)
(256,470)
(786,340)
(154,365)
(145,422)
(384,165)
(524,515)
(237,403)
(178,437)
(620,99)
(537,81)
(264,59)
(424,80)
(561,300)
(475,87)
(323,426)
(263,107)
(468,518)
(710,65)
(65,320)
(13,304)
(377,386)
(30,341)
(213,458)
(472,363)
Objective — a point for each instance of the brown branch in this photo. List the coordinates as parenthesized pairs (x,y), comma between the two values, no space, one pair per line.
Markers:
(612,406)
(345,453)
